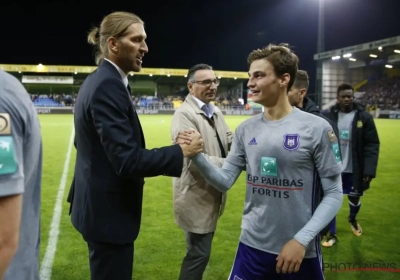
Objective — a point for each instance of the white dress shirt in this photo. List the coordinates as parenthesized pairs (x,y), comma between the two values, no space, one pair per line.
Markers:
(208,109)
(124,77)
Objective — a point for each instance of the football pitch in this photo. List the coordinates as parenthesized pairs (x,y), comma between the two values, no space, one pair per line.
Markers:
(160,246)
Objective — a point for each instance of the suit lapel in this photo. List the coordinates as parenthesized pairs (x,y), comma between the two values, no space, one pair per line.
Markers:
(115,72)
(136,117)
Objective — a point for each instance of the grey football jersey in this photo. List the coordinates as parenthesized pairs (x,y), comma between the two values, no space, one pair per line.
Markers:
(345,125)
(21,171)
(284,160)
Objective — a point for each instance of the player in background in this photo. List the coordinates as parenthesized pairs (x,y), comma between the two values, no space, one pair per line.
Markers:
(298,97)
(283,151)
(359,144)
(20,182)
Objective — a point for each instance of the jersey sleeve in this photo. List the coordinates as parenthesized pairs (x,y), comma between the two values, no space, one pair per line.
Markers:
(11,149)
(237,154)
(327,156)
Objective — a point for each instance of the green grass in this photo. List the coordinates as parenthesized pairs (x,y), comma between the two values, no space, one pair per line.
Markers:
(161,245)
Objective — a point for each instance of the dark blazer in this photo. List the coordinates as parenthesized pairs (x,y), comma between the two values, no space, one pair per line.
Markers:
(111,161)
(365,145)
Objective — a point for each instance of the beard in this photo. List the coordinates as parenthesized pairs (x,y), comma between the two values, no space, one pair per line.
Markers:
(130,63)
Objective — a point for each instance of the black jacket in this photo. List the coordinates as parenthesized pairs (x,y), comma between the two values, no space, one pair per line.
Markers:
(111,160)
(365,145)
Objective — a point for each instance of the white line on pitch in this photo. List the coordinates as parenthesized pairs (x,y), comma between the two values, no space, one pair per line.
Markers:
(48,260)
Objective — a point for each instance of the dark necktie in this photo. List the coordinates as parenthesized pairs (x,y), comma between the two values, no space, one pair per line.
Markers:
(130,97)
(130,93)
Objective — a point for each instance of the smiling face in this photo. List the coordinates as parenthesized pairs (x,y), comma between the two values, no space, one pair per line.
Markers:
(128,50)
(265,86)
(271,74)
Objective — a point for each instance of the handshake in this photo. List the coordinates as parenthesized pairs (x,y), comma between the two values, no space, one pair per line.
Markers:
(190,141)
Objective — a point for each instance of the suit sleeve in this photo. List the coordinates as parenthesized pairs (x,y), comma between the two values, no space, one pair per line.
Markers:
(110,114)
(182,121)
(371,147)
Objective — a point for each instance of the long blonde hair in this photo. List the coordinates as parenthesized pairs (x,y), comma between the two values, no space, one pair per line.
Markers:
(113,25)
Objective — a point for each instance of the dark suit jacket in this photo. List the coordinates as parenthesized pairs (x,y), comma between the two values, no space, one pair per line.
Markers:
(111,161)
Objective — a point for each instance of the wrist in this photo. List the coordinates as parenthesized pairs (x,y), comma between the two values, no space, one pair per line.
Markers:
(195,156)
(301,241)
(184,151)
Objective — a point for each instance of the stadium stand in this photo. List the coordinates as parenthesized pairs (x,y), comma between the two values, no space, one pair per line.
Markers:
(378,92)
(46,102)
(383,94)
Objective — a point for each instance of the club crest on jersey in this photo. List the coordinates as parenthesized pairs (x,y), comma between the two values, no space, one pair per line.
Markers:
(5,124)
(291,141)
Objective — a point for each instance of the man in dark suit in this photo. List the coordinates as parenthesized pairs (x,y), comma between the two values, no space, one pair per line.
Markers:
(112,161)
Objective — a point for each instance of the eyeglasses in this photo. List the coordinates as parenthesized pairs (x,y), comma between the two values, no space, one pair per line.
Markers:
(207,83)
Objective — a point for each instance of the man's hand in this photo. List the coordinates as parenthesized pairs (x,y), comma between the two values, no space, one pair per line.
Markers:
(184,136)
(195,147)
(291,257)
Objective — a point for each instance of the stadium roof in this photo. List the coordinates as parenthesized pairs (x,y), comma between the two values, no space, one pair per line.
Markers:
(71,69)
(181,80)
(386,51)
(46,74)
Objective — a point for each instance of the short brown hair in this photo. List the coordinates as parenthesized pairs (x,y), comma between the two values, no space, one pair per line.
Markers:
(301,80)
(113,25)
(281,57)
